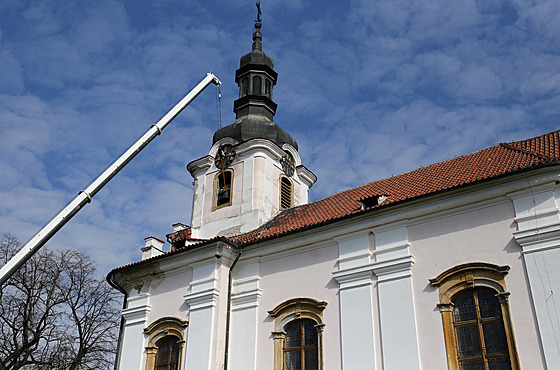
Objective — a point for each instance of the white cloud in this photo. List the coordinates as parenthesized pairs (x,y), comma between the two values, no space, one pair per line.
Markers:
(367,88)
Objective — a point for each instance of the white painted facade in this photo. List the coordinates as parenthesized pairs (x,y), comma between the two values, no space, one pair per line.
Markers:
(367,279)
(373,271)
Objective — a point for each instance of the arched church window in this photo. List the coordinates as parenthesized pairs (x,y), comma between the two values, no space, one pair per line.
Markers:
(257,85)
(268,89)
(298,335)
(165,343)
(223,188)
(286,193)
(474,306)
(245,87)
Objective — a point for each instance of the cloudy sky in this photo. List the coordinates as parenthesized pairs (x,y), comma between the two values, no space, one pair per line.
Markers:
(369,88)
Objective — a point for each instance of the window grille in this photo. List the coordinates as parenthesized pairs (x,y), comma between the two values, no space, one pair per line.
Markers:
(301,346)
(479,327)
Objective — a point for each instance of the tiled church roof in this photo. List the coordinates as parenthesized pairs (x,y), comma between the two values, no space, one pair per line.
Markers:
(502,159)
(499,160)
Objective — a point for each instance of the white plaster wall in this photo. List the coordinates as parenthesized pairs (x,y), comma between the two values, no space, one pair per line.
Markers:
(307,274)
(168,297)
(483,235)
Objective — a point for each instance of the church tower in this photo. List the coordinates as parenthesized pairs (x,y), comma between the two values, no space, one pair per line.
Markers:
(253,169)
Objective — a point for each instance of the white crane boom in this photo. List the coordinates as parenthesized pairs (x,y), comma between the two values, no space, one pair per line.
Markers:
(84,196)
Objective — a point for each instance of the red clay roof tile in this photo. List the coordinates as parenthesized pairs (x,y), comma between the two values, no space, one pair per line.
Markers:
(485,164)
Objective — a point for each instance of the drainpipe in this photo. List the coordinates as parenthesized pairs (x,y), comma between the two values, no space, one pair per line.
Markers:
(228,316)
(121,326)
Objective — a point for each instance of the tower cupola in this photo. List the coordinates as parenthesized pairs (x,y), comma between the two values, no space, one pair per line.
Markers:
(254,108)
(256,79)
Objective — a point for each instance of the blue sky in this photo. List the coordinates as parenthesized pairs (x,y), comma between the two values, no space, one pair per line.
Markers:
(369,88)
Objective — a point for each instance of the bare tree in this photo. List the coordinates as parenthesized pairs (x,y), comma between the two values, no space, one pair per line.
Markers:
(56,313)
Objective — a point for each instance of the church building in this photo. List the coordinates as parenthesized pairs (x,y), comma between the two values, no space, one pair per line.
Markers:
(451,266)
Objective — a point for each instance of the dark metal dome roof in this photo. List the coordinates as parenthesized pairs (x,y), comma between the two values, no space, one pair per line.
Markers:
(255,109)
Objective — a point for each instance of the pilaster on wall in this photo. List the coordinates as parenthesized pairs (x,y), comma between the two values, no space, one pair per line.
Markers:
(537,214)
(202,301)
(244,320)
(135,316)
(356,307)
(393,268)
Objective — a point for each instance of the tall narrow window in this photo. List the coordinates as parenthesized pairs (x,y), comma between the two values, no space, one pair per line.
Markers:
(223,188)
(257,85)
(244,87)
(285,193)
(474,307)
(168,353)
(479,327)
(268,89)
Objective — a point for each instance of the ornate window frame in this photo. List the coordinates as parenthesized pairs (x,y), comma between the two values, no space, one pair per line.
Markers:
(468,276)
(291,310)
(159,329)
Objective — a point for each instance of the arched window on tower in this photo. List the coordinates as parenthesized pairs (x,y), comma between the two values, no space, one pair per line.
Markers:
(244,87)
(257,85)
(286,193)
(223,188)
(268,89)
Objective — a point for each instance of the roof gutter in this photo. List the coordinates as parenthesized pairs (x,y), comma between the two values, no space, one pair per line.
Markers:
(228,315)
(115,285)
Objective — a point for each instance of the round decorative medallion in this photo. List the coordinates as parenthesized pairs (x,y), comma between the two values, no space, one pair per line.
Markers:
(224,157)
(288,164)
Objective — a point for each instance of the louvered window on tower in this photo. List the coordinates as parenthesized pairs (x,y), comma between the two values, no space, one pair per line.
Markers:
(286,190)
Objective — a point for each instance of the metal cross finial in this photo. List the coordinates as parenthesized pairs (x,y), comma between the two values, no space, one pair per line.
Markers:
(259,13)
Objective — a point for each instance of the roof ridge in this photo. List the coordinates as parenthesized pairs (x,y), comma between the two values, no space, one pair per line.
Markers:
(513,147)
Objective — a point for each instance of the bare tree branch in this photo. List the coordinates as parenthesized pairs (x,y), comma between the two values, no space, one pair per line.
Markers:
(56,313)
